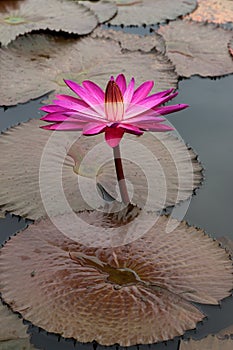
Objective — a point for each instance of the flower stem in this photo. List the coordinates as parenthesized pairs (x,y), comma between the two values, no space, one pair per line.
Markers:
(120,175)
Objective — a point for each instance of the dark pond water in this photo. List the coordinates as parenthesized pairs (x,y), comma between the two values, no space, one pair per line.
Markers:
(208,127)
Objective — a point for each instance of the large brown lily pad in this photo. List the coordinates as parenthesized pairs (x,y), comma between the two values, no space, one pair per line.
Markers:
(217,11)
(104,10)
(209,343)
(131,12)
(13,334)
(54,15)
(83,293)
(132,42)
(197,48)
(159,168)
(57,59)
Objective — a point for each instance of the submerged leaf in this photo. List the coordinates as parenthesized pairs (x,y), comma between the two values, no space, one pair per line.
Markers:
(218,11)
(54,15)
(197,48)
(83,292)
(49,164)
(13,334)
(131,12)
(209,343)
(57,59)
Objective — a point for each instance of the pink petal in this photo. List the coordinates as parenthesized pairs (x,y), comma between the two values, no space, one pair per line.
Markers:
(113,136)
(64,126)
(170,109)
(132,129)
(85,115)
(52,108)
(94,89)
(56,117)
(142,91)
(93,128)
(81,107)
(121,82)
(143,118)
(147,104)
(156,127)
(85,96)
(128,94)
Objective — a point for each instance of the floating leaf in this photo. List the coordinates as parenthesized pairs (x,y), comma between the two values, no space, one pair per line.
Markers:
(132,42)
(197,48)
(218,11)
(227,332)
(54,15)
(104,10)
(80,292)
(13,334)
(230,46)
(68,163)
(227,243)
(57,59)
(159,169)
(209,343)
(138,12)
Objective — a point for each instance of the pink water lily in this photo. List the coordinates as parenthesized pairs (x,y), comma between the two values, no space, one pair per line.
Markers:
(119,109)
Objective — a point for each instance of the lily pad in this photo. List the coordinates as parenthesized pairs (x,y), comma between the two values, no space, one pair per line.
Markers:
(80,292)
(57,59)
(160,170)
(227,243)
(55,15)
(227,332)
(230,47)
(132,42)
(131,12)
(209,343)
(13,333)
(104,10)
(218,11)
(197,48)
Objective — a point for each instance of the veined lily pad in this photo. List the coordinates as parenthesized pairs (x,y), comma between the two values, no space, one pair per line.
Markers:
(13,334)
(197,48)
(217,11)
(209,343)
(55,15)
(159,168)
(80,292)
(131,12)
(56,59)
(104,10)
(132,42)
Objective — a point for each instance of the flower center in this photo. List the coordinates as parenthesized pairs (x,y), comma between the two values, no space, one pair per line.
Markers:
(114,103)
(119,276)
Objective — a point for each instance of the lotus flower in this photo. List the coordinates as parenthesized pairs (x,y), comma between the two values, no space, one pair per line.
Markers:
(120,109)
